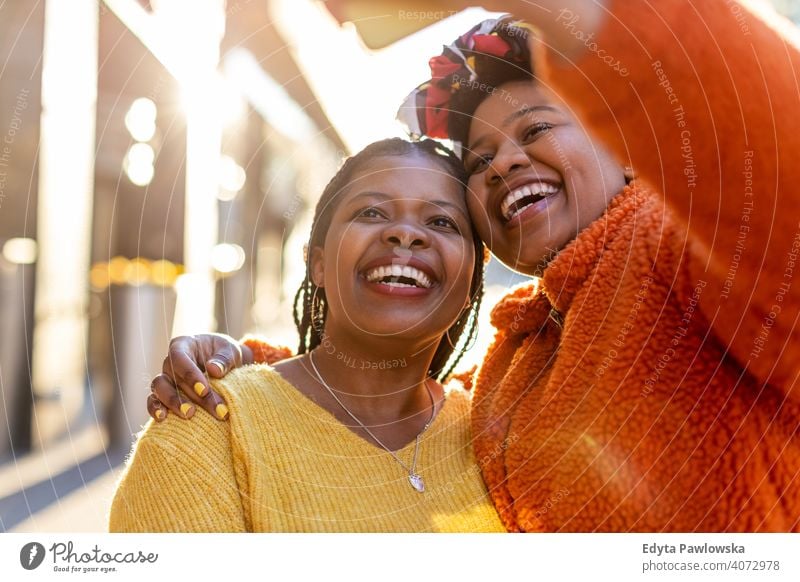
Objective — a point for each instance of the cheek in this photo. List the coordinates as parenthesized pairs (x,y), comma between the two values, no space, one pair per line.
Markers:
(459,261)
(595,179)
(342,247)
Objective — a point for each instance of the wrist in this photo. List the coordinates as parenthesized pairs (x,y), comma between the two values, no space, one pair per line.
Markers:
(564,25)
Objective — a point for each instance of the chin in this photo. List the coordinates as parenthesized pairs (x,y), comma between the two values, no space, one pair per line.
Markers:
(397,327)
(532,261)
(526,261)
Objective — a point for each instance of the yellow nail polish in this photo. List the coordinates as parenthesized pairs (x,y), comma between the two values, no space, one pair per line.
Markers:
(199,389)
(222,410)
(159,413)
(185,408)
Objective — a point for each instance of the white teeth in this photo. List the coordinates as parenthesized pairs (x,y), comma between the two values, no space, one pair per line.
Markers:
(385,272)
(542,189)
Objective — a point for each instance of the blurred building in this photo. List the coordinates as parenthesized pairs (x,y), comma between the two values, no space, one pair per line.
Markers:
(155,157)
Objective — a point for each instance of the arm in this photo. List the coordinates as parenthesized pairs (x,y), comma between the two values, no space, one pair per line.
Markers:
(702,98)
(171,485)
(183,367)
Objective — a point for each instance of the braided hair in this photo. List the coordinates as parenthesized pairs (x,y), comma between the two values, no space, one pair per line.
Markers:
(310,304)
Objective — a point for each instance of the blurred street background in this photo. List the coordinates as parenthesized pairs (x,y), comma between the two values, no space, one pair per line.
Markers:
(159,160)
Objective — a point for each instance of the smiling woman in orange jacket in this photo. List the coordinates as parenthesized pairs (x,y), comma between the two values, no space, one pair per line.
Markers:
(648,381)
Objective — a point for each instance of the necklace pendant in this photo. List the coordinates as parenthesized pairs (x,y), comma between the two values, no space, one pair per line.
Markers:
(416,482)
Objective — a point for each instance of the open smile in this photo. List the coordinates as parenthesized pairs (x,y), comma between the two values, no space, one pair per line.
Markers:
(399,276)
(403,277)
(532,195)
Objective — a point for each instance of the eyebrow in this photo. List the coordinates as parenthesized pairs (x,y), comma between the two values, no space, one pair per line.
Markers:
(512,118)
(526,110)
(386,197)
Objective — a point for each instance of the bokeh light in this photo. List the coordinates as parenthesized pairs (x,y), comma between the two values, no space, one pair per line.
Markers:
(138,164)
(227,258)
(141,119)
(231,178)
(21,251)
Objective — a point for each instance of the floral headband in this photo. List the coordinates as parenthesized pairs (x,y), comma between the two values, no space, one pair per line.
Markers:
(425,112)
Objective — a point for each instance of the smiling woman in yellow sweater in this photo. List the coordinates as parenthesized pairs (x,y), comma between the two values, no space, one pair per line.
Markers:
(355,433)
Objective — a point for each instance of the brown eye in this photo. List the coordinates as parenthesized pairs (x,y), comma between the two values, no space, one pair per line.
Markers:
(370,212)
(480,164)
(534,131)
(445,222)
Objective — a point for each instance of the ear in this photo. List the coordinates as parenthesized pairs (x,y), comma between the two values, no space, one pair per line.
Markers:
(317,266)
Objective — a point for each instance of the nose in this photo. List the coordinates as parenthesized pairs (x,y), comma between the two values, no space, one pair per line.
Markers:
(406,235)
(509,158)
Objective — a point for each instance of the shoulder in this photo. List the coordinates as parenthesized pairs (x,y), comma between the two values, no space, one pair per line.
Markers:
(176,438)
(257,396)
(194,458)
(247,383)
(246,391)
(457,400)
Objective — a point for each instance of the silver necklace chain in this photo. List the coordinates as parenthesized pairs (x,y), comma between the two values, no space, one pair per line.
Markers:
(413,477)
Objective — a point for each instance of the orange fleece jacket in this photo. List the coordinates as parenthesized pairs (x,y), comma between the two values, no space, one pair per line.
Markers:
(667,400)
(650,382)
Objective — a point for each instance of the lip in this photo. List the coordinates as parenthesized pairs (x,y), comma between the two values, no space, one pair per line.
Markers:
(531,212)
(516,183)
(394,259)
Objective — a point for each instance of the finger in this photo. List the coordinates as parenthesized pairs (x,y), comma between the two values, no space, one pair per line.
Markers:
(224,359)
(216,367)
(214,404)
(185,373)
(176,399)
(220,409)
(166,392)
(155,409)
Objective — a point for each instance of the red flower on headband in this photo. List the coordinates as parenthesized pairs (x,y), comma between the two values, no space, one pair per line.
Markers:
(438,94)
(437,102)
(490,44)
(426,109)
(442,67)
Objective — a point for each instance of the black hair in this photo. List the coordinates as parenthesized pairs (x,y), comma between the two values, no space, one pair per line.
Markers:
(491,72)
(310,304)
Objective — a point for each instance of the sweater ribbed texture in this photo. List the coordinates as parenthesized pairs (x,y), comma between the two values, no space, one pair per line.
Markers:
(284,464)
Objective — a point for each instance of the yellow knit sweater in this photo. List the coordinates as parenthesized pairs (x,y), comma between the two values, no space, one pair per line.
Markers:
(282,463)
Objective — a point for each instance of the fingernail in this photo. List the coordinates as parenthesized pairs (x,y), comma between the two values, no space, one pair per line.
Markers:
(159,413)
(185,408)
(199,389)
(218,364)
(222,411)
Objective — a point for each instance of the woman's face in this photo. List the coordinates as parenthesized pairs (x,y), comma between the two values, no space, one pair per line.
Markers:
(399,256)
(536,179)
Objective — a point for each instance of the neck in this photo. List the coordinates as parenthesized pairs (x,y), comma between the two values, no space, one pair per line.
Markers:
(378,377)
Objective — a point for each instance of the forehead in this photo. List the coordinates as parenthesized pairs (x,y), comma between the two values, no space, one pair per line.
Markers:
(416,176)
(507,103)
